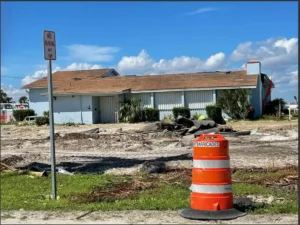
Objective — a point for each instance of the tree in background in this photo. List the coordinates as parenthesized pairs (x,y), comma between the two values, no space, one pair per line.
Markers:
(131,110)
(23,99)
(296,99)
(272,107)
(235,102)
(4,98)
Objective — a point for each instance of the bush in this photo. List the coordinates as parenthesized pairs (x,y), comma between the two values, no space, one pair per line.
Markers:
(272,107)
(215,113)
(295,114)
(181,111)
(234,102)
(251,112)
(131,110)
(46,113)
(42,120)
(151,114)
(20,114)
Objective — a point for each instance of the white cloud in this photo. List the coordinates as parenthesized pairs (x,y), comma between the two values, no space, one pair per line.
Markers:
(82,66)
(13,92)
(277,55)
(144,64)
(91,53)
(37,75)
(202,10)
(293,78)
(136,64)
(279,58)
(43,73)
(4,70)
(287,44)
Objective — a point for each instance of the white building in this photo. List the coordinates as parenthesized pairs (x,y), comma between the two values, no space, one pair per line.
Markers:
(93,96)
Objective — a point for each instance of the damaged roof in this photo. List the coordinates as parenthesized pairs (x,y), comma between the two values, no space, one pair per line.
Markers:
(94,81)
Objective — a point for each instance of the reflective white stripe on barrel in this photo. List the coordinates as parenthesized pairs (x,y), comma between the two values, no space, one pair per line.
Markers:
(211,164)
(211,189)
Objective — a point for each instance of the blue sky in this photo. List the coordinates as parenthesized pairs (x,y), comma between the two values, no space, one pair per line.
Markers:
(151,38)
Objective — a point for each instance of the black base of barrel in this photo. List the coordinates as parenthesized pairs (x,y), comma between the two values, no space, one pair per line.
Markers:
(193,214)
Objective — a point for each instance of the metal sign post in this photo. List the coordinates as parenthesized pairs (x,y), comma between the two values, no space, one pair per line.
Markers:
(50,54)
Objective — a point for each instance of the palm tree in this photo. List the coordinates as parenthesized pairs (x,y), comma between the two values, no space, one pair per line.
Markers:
(23,99)
(296,99)
(4,98)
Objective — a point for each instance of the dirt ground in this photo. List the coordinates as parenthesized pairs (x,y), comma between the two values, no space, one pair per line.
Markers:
(275,146)
(131,217)
(119,149)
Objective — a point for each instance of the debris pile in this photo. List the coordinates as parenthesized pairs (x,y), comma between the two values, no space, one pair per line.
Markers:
(181,126)
(12,160)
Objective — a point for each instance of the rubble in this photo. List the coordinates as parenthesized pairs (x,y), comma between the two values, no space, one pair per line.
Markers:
(153,167)
(91,131)
(207,131)
(125,148)
(12,160)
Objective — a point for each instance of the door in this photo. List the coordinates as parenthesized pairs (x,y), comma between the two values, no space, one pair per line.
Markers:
(108,107)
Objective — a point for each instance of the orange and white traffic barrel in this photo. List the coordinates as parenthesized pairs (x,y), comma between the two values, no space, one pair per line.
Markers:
(211,196)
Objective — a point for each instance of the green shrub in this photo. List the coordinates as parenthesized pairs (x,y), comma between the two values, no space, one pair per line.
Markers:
(272,107)
(46,113)
(151,114)
(234,102)
(251,112)
(20,114)
(42,120)
(215,113)
(294,114)
(131,110)
(181,111)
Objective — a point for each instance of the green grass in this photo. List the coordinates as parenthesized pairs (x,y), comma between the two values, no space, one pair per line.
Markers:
(25,192)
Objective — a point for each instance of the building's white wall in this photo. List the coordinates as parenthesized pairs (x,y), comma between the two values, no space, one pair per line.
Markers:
(197,101)
(166,101)
(253,68)
(145,97)
(108,107)
(87,110)
(67,109)
(96,109)
(39,103)
(256,98)
(76,109)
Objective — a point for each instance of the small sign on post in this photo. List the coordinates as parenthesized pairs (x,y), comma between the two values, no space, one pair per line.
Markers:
(50,54)
(49,45)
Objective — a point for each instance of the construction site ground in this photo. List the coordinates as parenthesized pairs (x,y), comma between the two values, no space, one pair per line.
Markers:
(123,148)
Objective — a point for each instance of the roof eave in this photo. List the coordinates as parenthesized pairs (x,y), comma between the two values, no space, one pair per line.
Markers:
(86,93)
(195,89)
